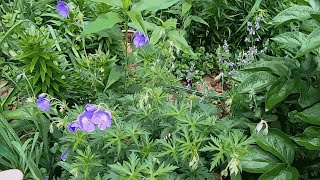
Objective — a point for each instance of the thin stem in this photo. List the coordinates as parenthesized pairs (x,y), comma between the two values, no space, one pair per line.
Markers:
(126,55)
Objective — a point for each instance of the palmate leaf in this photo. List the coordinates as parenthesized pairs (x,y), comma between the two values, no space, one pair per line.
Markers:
(155,173)
(215,146)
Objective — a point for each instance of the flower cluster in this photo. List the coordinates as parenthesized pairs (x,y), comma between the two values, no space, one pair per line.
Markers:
(224,55)
(252,29)
(91,117)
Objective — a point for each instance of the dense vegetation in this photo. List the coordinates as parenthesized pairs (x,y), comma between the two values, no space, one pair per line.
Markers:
(160,89)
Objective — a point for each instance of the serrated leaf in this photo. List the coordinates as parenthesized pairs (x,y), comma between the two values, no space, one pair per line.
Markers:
(311,43)
(257,82)
(280,90)
(179,41)
(104,21)
(310,115)
(257,160)
(296,12)
(290,40)
(186,6)
(113,3)
(310,138)
(278,143)
(281,172)
(154,5)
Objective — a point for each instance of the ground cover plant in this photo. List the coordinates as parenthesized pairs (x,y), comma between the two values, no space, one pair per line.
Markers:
(162,89)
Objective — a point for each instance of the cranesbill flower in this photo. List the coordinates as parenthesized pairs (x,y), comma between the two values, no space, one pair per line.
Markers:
(73,126)
(102,118)
(85,122)
(64,155)
(43,103)
(63,9)
(140,39)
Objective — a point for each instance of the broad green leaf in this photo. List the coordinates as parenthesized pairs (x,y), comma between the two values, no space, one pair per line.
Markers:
(114,3)
(308,94)
(170,23)
(290,40)
(104,21)
(115,74)
(258,160)
(137,21)
(281,172)
(199,20)
(296,12)
(186,6)
(311,43)
(276,67)
(310,138)
(179,41)
(310,115)
(156,35)
(154,5)
(278,143)
(257,82)
(280,90)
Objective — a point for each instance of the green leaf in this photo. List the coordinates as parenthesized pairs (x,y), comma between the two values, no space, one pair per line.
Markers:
(179,41)
(308,94)
(280,90)
(281,172)
(156,35)
(104,21)
(199,20)
(113,3)
(279,68)
(33,63)
(186,6)
(311,43)
(278,143)
(115,74)
(154,5)
(296,12)
(251,13)
(8,32)
(310,115)
(291,40)
(257,82)
(170,23)
(257,160)
(137,21)
(310,138)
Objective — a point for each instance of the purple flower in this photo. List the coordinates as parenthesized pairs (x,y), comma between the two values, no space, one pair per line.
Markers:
(63,9)
(230,64)
(43,103)
(249,24)
(257,26)
(64,155)
(73,126)
(246,39)
(140,39)
(102,119)
(46,178)
(232,72)
(252,32)
(257,39)
(85,122)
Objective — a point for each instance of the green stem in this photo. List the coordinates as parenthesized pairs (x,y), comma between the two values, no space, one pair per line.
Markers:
(126,50)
